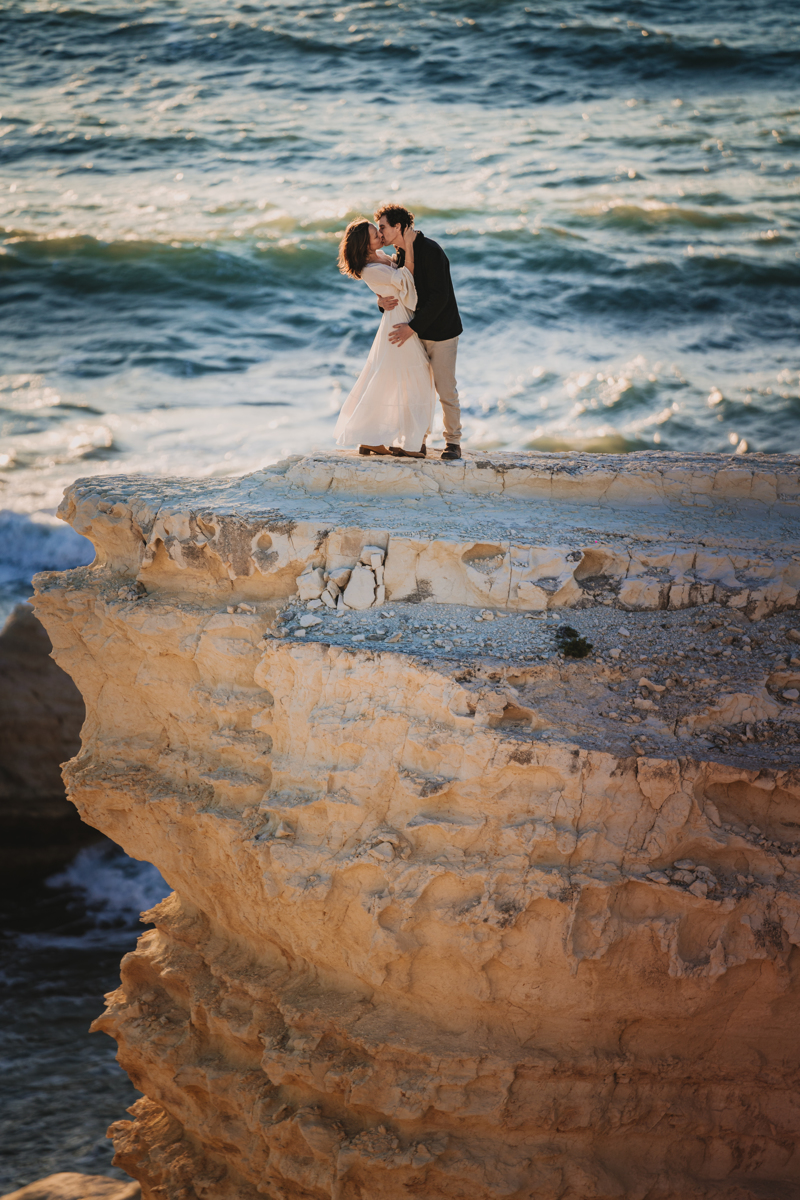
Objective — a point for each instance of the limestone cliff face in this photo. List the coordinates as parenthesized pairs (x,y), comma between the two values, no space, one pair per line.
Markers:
(452,915)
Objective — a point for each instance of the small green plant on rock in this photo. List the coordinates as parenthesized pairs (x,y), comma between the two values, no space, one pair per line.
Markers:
(571,643)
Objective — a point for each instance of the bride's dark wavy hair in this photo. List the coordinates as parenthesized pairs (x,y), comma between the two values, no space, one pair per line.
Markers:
(354,248)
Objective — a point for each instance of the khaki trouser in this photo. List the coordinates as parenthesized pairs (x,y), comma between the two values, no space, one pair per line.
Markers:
(443,361)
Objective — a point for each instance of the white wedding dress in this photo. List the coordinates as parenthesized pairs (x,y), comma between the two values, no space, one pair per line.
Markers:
(394,400)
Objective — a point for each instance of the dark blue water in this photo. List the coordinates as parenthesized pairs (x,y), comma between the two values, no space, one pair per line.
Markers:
(617,187)
(60,946)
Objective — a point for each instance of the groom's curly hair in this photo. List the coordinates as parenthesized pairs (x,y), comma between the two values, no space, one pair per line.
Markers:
(354,248)
(396,215)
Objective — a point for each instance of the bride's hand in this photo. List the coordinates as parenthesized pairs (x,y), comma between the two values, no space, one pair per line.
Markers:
(408,238)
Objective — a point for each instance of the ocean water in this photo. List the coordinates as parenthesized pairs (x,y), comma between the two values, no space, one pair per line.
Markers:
(616,185)
(60,946)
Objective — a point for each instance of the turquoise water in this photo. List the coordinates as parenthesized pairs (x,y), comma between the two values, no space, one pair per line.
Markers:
(616,186)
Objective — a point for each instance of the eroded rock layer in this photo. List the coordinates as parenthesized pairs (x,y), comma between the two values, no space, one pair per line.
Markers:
(453,915)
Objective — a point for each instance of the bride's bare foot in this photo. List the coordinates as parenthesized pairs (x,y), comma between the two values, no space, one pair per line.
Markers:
(373,450)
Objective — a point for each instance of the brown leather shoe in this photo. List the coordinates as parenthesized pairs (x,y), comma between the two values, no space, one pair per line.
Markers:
(373,450)
(452,450)
(398,452)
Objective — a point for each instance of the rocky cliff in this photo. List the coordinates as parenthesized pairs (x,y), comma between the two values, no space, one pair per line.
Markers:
(477,785)
(41,713)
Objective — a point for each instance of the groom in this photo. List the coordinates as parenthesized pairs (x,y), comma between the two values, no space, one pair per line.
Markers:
(436,321)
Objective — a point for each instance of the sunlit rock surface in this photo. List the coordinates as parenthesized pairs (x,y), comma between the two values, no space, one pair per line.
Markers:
(454,915)
(69,1185)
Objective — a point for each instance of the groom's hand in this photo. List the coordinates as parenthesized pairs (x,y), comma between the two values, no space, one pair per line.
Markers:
(388,302)
(400,333)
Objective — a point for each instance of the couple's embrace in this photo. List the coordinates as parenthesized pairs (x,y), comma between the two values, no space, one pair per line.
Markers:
(413,358)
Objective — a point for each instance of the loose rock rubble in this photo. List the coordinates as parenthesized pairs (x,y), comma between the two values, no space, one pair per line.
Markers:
(678,682)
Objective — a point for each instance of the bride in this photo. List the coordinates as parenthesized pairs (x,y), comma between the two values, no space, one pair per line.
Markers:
(390,410)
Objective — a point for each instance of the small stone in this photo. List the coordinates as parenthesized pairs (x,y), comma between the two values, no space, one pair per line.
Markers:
(623,632)
(360,637)
(383,850)
(312,604)
(341,577)
(394,638)
(372,552)
(615,653)
(658,877)
(246,608)
(793,635)
(308,620)
(684,864)
(360,591)
(712,812)
(327,600)
(790,694)
(699,889)
(231,608)
(311,584)
(487,614)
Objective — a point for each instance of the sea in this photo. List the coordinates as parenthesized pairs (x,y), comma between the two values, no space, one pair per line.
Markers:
(616,185)
(61,941)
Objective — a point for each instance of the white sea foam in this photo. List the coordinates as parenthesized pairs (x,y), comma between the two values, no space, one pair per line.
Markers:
(31,543)
(116,888)
(36,542)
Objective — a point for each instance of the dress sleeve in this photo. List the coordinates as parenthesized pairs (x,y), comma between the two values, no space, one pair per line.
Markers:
(406,290)
(387,281)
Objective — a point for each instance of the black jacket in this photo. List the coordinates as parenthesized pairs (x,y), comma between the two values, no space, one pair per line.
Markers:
(436,318)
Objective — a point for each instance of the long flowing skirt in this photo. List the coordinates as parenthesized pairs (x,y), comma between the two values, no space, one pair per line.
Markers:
(394,399)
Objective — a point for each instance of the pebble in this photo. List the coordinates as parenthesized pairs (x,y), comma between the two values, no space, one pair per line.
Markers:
(308,620)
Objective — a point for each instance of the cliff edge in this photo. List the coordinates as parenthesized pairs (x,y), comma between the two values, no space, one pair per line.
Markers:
(477,785)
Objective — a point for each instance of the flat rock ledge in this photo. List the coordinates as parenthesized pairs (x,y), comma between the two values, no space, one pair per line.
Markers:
(477,784)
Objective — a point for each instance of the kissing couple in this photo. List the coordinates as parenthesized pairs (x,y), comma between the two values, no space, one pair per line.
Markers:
(413,358)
